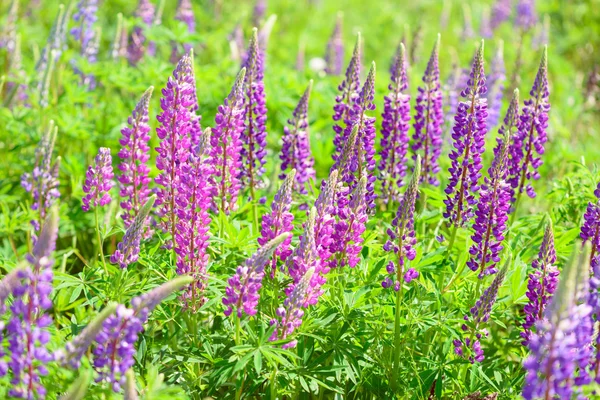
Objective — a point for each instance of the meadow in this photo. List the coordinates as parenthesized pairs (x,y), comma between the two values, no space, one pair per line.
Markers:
(312,199)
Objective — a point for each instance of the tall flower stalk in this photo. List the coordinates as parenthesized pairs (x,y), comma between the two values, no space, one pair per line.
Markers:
(128,248)
(429,117)
(394,130)
(85,34)
(137,41)
(501,11)
(496,87)
(334,56)
(185,14)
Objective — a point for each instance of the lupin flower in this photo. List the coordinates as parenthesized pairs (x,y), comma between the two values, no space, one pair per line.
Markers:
(134,154)
(344,101)
(305,255)
(485,28)
(225,148)
(128,248)
(193,222)
(278,221)
(137,42)
(395,123)
(467,31)
(295,150)
(174,132)
(300,57)
(560,351)
(8,283)
(27,329)
(500,12)
(236,43)
(119,44)
(480,314)
(115,343)
(42,182)
(254,136)
(85,34)
(258,12)
(334,56)
(532,134)
(543,35)
(526,17)
(469,141)
(98,181)
(241,294)
(185,14)
(541,285)
(496,87)
(402,239)
(8,35)
(347,241)
(56,43)
(493,206)
(452,88)
(291,312)
(427,139)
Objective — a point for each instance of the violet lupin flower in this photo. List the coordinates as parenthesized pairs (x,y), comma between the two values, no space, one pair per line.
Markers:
(254,136)
(241,294)
(560,351)
(402,239)
(128,248)
(334,56)
(526,17)
(115,343)
(429,117)
(27,329)
(305,255)
(258,12)
(85,34)
(496,87)
(532,135)
(185,14)
(193,222)
(137,42)
(98,181)
(480,314)
(344,101)
(541,285)
(493,206)
(485,28)
(295,150)
(225,148)
(395,123)
(543,35)
(179,96)
(279,220)
(500,12)
(134,154)
(469,141)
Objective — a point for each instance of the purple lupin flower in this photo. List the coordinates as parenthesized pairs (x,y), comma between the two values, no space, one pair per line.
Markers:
(225,148)
(128,248)
(193,221)
(480,314)
(27,329)
(452,88)
(541,285)
(526,17)
(134,154)
(493,206)
(560,350)
(137,46)
(254,136)
(85,34)
(236,43)
(395,123)
(496,87)
(467,30)
(115,343)
(278,221)
(98,181)
(258,12)
(345,100)
(429,117)
(8,35)
(295,150)
(469,141)
(185,14)
(532,134)
(543,35)
(402,239)
(485,27)
(179,96)
(305,255)
(42,182)
(241,294)
(500,12)
(334,56)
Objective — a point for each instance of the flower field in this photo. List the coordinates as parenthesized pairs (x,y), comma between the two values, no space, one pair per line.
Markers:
(318,199)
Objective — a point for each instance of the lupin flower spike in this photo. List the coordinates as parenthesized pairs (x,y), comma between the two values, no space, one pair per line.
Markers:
(500,12)
(394,130)
(560,351)
(541,285)
(485,28)
(254,136)
(85,34)
(402,238)
(526,17)
(98,181)
(128,248)
(56,42)
(334,57)
(137,42)
(226,147)
(496,87)
(119,44)
(532,134)
(279,220)
(241,294)
(467,31)
(305,255)
(295,151)
(429,117)
(469,141)
(8,34)
(134,154)
(480,314)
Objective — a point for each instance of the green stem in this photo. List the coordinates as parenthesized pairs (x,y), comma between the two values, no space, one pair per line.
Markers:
(237,331)
(100,242)
(454,277)
(396,356)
